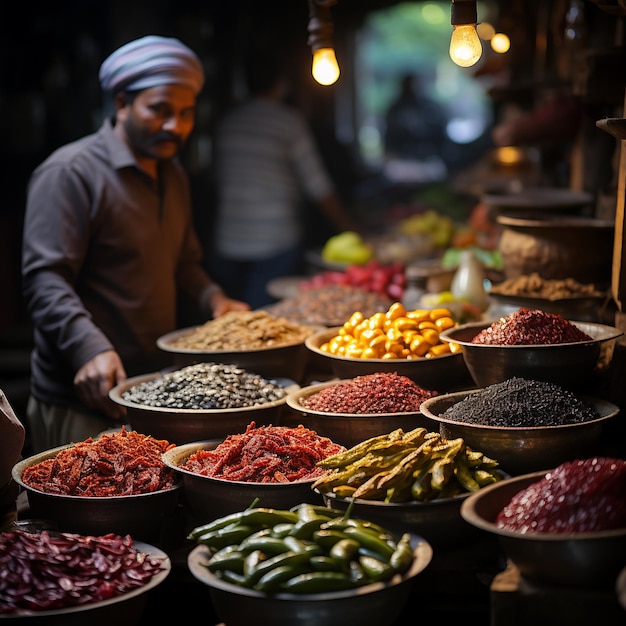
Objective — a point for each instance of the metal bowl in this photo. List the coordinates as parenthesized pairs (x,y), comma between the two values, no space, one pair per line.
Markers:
(143,516)
(577,560)
(348,429)
(443,373)
(377,604)
(276,361)
(523,449)
(439,521)
(209,498)
(186,425)
(570,365)
(123,610)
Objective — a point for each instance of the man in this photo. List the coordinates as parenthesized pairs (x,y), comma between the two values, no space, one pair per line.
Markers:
(109,245)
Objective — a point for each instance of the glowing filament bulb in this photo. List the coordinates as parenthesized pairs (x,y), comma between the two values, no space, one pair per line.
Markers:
(325,68)
(465,46)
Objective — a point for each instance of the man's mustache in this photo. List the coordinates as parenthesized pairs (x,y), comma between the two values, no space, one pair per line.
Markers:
(161,137)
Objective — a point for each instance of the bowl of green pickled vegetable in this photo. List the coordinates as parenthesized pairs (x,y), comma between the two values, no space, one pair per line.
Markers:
(305,565)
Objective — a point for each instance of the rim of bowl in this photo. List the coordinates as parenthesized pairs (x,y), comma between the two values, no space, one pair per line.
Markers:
(210,444)
(293,401)
(312,341)
(469,514)
(164,342)
(422,556)
(157,579)
(612,409)
(611,333)
(115,394)
(20,466)
(394,505)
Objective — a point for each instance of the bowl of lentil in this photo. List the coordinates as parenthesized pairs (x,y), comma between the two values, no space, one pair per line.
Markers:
(201,401)
(397,340)
(532,343)
(565,526)
(274,464)
(526,425)
(114,575)
(255,340)
(116,483)
(351,410)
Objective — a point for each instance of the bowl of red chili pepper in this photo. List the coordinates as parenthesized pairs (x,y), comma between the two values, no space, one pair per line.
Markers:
(274,465)
(565,526)
(532,343)
(117,483)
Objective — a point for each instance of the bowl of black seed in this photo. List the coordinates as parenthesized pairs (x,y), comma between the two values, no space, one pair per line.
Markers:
(527,425)
(532,343)
(201,401)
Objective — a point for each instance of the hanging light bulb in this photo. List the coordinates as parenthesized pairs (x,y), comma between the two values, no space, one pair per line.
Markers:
(324,68)
(465,46)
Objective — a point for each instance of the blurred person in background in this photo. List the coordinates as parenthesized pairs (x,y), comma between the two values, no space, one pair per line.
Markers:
(12,436)
(109,246)
(267,168)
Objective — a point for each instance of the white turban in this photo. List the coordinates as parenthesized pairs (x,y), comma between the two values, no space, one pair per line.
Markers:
(150,62)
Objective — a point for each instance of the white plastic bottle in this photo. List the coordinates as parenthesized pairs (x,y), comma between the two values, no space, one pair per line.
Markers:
(468,281)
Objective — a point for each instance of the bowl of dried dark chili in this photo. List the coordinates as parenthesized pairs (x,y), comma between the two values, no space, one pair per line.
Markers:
(106,580)
(565,526)
(352,410)
(526,425)
(116,483)
(531,343)
(274,464)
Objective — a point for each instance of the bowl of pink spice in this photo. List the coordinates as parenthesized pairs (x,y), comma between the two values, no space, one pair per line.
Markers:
(536,344)
(352,410)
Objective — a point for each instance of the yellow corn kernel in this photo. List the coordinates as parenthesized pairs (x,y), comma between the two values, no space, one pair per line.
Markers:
(353,351)
(455,347)
(395,311)
(435,314)
(389,356)
(439,349)
(378,340)
(427,324)
(431,336)
(405,323)
(377,321)
(443,323)
(369,353)
(355,319)
(419,315)
(419,346)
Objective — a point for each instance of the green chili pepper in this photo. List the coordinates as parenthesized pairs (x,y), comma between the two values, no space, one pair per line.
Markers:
(318,582)
(344,549)
(402,556)
(218,539)
(267,544)
(291,559)
(272,580)
(375,569)
(367,539)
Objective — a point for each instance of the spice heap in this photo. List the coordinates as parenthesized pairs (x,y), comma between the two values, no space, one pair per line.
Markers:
(265,454)
(243,330)
(370,393)
(534,286)
(329,305)
(518,402)
(122,463)
(576,497)
(206,386)
(527,327)
(42,572)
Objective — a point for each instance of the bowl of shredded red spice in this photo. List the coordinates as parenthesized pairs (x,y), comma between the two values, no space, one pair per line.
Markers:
(276,464)
(531,343)
(352,410)
(566,526)
(115,483)
(105,581)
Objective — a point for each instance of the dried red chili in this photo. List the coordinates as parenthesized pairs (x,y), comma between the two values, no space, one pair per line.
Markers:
(530,327)
(40,572)
(579,496)
(267,454)
(121,463)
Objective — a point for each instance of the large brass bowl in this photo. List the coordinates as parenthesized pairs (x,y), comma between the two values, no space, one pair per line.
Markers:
(588,560)
(523,449)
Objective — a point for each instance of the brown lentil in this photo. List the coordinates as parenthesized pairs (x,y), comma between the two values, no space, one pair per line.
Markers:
(371,393)
(242,330)
(518,402)
(530,327)
(205,386)
(330,305)
(533,285)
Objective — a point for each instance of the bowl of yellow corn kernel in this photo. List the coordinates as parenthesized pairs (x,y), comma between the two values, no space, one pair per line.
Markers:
(398,340)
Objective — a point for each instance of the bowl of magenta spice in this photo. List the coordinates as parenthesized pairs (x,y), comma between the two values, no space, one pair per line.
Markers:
(532,343)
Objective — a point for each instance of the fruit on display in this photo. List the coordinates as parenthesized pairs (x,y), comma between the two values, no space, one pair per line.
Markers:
(347,247)
(385,279)
(438,227)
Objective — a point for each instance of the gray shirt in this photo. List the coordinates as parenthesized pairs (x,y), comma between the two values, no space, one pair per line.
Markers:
(106,253)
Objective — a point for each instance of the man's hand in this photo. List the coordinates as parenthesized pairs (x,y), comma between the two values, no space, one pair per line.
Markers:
(96,378)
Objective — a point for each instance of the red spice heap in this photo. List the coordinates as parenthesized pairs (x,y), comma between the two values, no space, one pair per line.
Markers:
(116,464)
(42,572)
(579,496)
(370,393)
(527,327)
(267,454)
